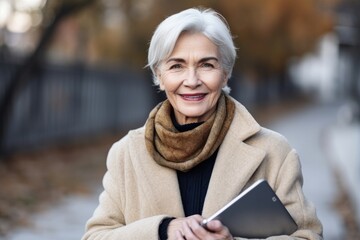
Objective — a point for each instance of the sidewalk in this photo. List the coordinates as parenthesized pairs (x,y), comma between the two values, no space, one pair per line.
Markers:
(66,221)
(344,146)
(304,130)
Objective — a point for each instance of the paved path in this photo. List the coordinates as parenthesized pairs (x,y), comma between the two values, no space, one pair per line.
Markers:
(343,142)
(304,129)
(66,221)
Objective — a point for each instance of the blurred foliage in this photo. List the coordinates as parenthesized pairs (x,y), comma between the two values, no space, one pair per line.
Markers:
(267,33)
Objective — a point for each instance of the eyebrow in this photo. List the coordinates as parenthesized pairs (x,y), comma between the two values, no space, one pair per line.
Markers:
(205,59)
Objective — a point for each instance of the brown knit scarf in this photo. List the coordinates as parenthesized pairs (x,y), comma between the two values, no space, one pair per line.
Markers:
(184,150)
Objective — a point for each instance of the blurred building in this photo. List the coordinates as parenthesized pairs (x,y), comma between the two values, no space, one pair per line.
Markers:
(331,71)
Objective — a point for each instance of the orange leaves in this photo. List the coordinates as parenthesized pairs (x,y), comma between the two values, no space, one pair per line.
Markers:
(270,32)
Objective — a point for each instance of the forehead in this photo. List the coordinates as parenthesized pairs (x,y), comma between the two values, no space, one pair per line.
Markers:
(191,44)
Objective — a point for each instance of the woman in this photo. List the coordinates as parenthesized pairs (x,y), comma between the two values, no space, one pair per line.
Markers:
(198,149)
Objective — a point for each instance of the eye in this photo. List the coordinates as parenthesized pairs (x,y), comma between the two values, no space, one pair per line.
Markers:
(207,65)
(175,66)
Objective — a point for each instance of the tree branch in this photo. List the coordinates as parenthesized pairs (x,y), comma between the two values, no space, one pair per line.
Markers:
(20,77)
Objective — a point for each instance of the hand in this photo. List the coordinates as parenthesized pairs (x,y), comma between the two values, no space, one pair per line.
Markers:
(190,228)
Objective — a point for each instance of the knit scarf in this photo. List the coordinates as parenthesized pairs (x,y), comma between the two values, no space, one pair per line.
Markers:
(184,150)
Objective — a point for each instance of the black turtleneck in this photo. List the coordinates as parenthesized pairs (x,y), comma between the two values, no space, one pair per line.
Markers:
(193,184)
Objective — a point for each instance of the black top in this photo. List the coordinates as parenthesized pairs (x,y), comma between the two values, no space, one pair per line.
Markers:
(193,184)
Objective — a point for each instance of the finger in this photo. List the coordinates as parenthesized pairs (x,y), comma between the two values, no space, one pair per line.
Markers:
(179,235)
(188,233)
(218,228)
(197,228)
(215,226)
(197,217)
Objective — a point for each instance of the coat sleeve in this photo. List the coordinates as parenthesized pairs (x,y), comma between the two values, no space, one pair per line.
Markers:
(288,187)
(108,221)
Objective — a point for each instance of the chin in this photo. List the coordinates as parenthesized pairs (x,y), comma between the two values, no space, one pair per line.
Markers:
(198,116)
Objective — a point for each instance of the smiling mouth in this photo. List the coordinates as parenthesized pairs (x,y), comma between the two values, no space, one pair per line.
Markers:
(193,97)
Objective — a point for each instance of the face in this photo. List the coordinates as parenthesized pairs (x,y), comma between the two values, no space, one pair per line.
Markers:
(192,78)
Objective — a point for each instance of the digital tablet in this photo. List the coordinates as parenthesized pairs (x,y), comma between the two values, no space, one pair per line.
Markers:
(256,213)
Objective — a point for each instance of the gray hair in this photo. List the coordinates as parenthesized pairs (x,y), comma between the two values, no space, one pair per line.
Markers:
(205,21)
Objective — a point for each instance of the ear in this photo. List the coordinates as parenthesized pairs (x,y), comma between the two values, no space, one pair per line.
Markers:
(225,82)
(158,76)
(161,85)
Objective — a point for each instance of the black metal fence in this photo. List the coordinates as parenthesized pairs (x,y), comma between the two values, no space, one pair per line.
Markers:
(62,103)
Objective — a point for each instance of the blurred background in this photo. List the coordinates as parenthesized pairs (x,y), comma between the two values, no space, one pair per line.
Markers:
(72,81)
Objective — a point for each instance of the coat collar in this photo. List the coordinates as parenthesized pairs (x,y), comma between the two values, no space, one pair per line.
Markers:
(235,164)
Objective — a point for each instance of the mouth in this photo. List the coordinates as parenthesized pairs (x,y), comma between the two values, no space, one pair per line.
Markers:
(193,97)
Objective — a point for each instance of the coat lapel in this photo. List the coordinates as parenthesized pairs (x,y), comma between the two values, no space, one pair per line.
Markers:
(235,164)
(164,192)
(230,175)
(159,185)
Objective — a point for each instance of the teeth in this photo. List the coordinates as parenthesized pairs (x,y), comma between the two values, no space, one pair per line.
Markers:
(193,97)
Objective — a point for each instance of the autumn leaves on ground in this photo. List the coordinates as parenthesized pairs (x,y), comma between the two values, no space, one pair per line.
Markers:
(34,181)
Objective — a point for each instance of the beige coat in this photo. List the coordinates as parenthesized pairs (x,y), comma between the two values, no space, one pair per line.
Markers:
(139,193)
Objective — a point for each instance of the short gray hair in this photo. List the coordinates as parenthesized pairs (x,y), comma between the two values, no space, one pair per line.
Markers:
(206,21)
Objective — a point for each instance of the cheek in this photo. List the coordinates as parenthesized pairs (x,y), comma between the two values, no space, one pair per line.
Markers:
(167,84)
(217,84)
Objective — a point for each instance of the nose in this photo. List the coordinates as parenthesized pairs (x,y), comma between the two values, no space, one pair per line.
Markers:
(192,79)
